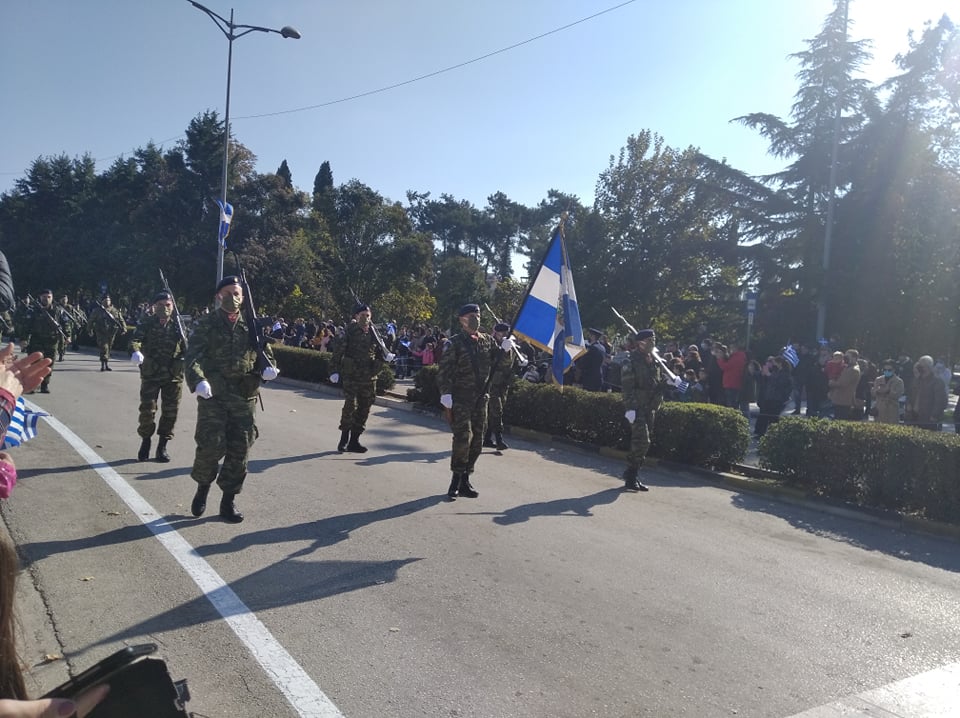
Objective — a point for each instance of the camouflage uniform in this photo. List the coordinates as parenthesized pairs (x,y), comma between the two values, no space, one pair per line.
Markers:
(643,386)
(222,354)
(499,388)
(358,359)
(464,368)
(70,329)
(41,332)
(161,374)
(105,324)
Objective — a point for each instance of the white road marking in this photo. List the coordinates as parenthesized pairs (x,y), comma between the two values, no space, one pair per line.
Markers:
(299,689)
(934,694)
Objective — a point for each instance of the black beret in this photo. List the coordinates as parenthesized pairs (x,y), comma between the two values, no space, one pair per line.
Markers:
(643,334)
(468,309)
(228,282)
(502,327)
(162,296)
(46,291)
(361,307)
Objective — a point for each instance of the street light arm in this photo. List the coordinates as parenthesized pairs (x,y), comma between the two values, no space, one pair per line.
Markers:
(285,31)
(220,22)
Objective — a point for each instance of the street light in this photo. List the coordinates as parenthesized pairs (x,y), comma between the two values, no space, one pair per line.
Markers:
(229,29)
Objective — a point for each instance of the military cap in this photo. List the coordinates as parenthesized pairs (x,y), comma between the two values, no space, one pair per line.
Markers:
(502,327)
(468,309)
(361,307)
(595,331)
(162,296)
(228,282)
(46,291)
(643,334)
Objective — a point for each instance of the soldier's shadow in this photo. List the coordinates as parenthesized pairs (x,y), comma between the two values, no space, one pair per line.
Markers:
(578,506)
(406,457)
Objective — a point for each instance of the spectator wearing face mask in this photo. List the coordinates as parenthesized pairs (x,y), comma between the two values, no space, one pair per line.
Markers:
(843,389)
(887,390)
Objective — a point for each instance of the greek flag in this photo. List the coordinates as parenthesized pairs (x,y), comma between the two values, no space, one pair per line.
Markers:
(23,425)
(549,317)
(226,215)
(790,354)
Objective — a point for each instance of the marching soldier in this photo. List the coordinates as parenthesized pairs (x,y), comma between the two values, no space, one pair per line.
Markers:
(221,369)
(71,327)
(499,387)
(462,379)
(42,332)
(358,358)
(106,322)
(643,386)
(158,347)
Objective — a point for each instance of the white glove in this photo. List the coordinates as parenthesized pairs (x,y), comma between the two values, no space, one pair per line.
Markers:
(508,344)
(137,357)
(630,416)
(204,390)
(335,377)
(522,360)
(269,373)
(389,357)
(446,401)
(674,381)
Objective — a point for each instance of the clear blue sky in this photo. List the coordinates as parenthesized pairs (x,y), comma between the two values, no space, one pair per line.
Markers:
(108,76)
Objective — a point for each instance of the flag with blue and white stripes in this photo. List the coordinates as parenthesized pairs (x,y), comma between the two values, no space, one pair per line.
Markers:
(23,425)
(550,317)
(226,216)
(790,354)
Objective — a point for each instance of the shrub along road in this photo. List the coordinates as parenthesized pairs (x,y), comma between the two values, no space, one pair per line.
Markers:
(552,594)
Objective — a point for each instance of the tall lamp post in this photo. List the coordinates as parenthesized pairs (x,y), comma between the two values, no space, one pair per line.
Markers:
(229,29)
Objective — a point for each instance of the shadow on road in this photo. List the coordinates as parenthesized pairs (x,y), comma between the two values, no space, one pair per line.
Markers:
(905,545)
(285,583)
(577,506)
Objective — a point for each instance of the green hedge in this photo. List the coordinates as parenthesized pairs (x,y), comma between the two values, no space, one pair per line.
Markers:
(881,465)
(697,434)
(313,366)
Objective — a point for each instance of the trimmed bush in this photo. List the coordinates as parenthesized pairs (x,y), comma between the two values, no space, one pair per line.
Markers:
(881,465)
(313,366)
(698,434)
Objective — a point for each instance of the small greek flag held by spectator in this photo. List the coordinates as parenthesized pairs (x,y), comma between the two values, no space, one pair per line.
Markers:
(790,354)
(226,216)
(23,425)
(683,386)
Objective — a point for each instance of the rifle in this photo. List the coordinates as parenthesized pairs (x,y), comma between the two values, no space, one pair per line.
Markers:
(521,357)
(373,328)
(55,323)
(176,312)
(121,326)
(655,353)
(254,330)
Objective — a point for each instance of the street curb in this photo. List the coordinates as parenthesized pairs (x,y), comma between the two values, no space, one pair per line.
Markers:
(763,483)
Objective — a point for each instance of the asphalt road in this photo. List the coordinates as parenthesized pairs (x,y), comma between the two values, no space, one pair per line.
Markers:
(357,589)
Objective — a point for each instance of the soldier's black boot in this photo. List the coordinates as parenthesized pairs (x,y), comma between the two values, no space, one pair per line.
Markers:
(354,444)
(466,489)
(106,365)
(228,509)
(631,482)
(144,452)
(162,456)
(488,440)
(103,365)
(344,438)
(501,444)
(45,387)
(199,503)
(454,491)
